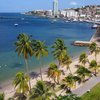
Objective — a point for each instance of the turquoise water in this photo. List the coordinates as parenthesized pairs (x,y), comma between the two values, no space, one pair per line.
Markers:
(39,28)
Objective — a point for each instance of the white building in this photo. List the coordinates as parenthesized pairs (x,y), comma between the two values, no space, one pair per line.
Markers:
(48,13)
(63,12)
(55,8)
(71,13)
(83,15)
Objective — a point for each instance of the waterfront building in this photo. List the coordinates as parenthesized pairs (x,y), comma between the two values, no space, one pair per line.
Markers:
(55,8)
(71,13)
(63,13)
(48,13)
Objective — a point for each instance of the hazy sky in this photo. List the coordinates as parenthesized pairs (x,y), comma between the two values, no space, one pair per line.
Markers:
(27,5)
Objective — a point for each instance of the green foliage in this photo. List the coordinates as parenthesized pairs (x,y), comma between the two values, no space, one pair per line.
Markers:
(53,72)
(20,83)
(94,49)
(1,96)
(68,97)
(40,49)
(11,99)
(94,93)
(82,72)
(66,61)
(59,50)
(70,81)
(83,58)
(41,91)
(24,45)
(94,66)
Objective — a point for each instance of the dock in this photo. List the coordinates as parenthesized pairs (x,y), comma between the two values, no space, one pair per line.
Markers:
(81,43)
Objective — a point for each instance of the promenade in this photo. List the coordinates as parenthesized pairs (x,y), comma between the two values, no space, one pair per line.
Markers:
(87,86)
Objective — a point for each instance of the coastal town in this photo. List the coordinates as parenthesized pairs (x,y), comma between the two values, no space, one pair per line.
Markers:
(50,54)
(90,13)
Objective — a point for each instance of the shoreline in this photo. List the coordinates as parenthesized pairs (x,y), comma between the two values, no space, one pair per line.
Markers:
(9,82)
(9,90)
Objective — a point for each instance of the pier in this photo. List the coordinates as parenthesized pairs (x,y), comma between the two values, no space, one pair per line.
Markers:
(81,43)
(95,38)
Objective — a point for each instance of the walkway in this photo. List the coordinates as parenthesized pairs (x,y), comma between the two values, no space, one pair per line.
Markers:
(87,86)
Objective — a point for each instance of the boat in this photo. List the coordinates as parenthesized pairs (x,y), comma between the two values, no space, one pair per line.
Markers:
(67,21)
(94,26)
(54,20)
(16,25)
(75,20)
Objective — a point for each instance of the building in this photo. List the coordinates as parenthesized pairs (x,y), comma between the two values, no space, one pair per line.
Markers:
(48,13)
(55,8)
(63,13)
(71,13)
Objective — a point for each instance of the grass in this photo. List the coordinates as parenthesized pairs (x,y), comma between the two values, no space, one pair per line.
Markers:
(94,93)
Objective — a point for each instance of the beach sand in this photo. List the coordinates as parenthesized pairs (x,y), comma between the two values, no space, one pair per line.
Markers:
(9,90)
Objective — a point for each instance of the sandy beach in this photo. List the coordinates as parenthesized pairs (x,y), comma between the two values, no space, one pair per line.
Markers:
(9,89)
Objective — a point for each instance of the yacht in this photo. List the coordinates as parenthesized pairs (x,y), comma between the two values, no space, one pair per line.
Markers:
(94,26)
(16,25)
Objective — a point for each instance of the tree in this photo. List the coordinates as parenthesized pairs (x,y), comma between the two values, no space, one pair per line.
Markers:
(21,85)
(69,81)
(54,73)
(82,72)
(40,50)
(66,61)
(41,91)
(1,96)
(94,66)
(94,49)
(83,58)
(24,47)
(59,50)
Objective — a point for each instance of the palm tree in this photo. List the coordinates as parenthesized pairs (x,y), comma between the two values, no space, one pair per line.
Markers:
(69,81)
(40,50)
(41,91)
(54,72)
(82,72)
(94,66)
(21,86)
(1,96)
(83,58)
(94,49)
(24,47)
(66,61)
(59,50)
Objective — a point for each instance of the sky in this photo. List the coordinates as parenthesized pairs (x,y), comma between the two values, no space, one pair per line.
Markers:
(28,5)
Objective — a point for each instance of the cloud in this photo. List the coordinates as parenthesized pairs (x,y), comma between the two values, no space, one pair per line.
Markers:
(73,3)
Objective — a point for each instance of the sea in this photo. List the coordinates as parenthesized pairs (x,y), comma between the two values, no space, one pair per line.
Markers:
(44,29)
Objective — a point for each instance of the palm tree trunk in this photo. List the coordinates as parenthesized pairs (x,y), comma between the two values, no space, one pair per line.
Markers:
(69,70)
(26,62)
(41,70)
(95,57)
(95,72)
(41,73)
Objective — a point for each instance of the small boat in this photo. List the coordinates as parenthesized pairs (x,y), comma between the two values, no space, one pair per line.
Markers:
(67,21)
(54,20)
(94,26)
(15,25)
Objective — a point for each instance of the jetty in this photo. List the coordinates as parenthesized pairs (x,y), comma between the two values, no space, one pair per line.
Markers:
(95,38)
(81,43)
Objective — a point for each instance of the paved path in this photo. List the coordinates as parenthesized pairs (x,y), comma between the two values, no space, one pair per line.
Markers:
(87,86)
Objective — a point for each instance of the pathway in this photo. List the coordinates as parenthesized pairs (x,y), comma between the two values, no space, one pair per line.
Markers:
(87,86)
